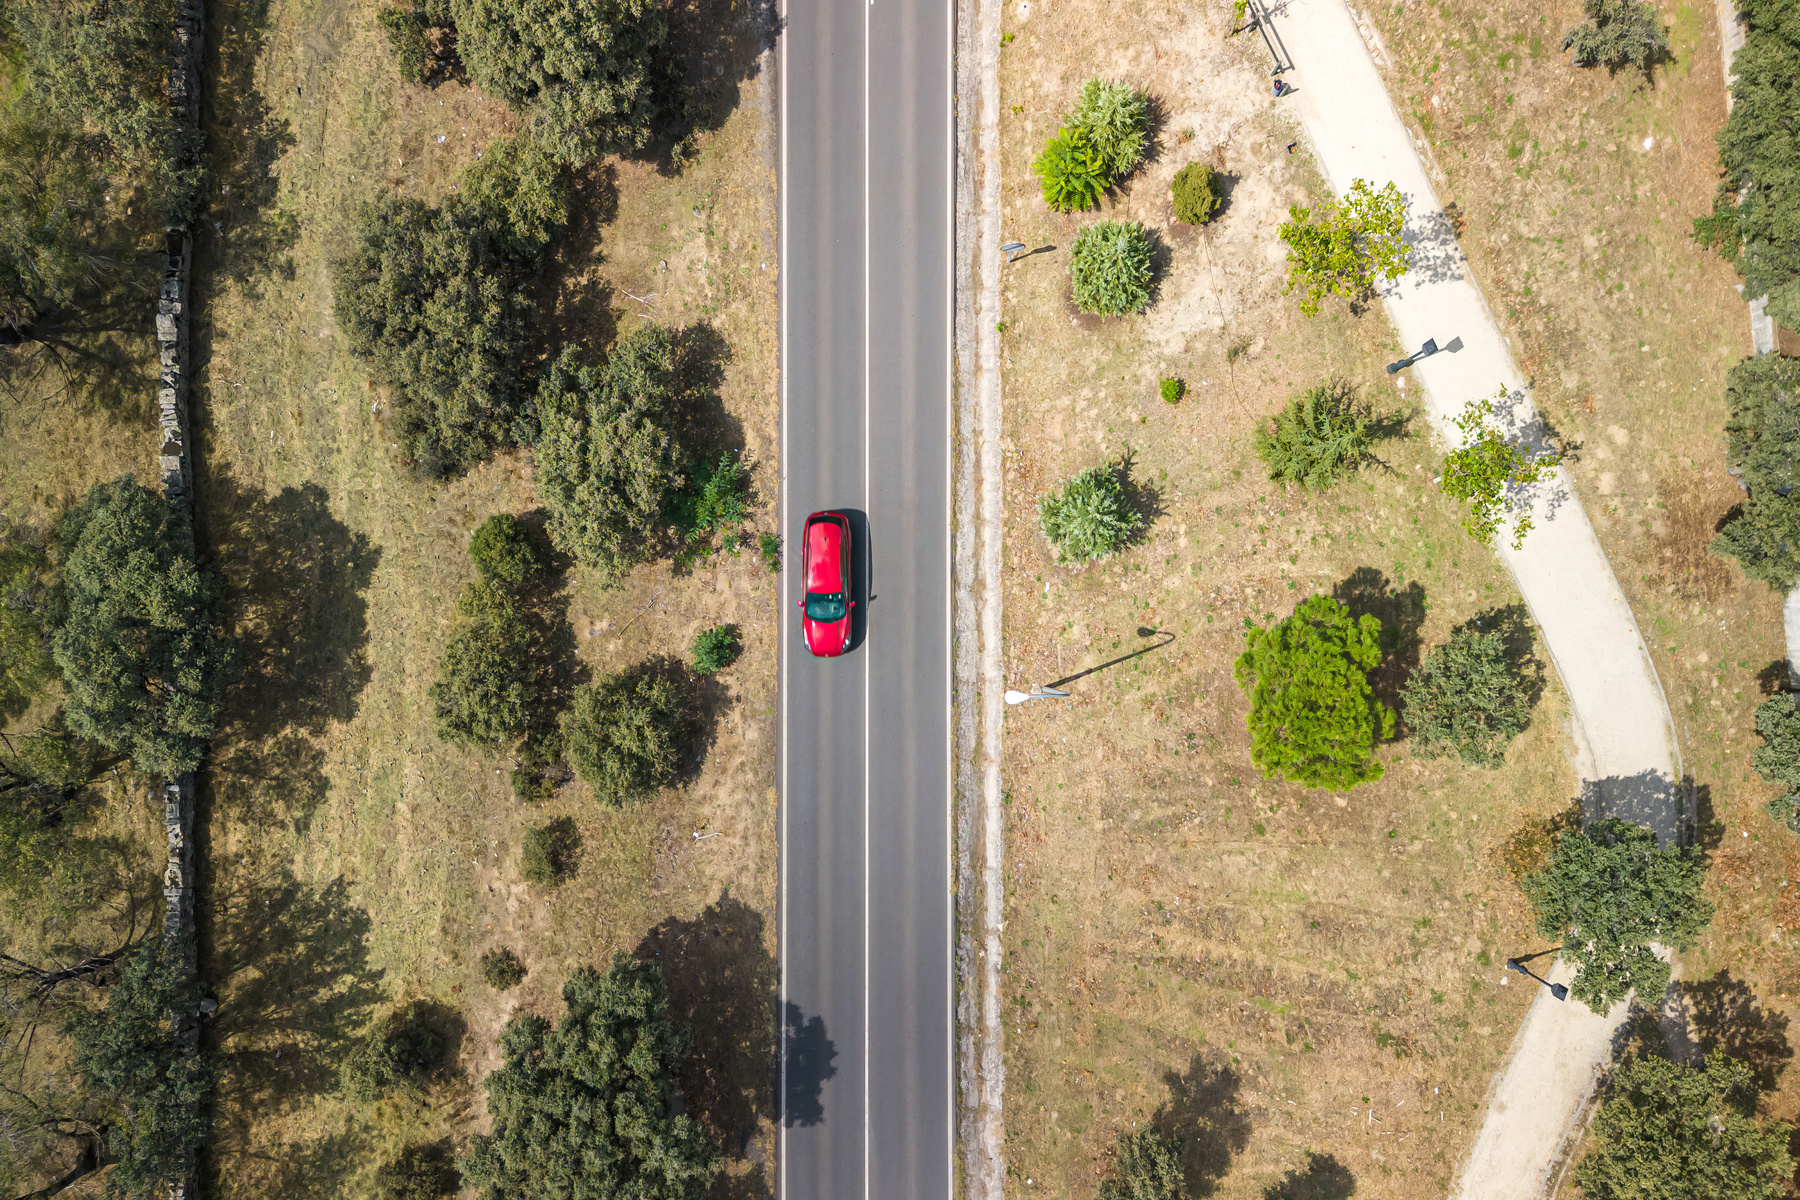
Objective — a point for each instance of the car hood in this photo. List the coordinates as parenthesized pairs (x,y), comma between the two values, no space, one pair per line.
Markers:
(826,638)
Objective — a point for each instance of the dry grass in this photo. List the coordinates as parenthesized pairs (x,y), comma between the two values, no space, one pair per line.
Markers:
(1578,230)
(1307,985)
(353,859)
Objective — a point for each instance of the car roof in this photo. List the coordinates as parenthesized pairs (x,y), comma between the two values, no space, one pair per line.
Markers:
(825,537)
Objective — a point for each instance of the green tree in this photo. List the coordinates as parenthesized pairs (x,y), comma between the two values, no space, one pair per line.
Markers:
(143,658)
(1607,893)
(1092,516)
(1146,1166)
(43,776)
(1109,266)
(715,649)
(1617,33)
(26,667)
(523,192)
(1484,466)
(399,1051)
(550,852)
(1778,758)
(1670,1131)
(584,70)
(155,1093)
(501,969)
(1115,117)
(624,735)
(1314,719)
(1341,248)
(585,1109)
(1071,172)
(51,189)
(1762,441)
(1196,194)
(1466,700)
(428,299)
(504,552)
(487,686)
(406,38)
(1764,536)
(1759,190)
(605,460)
(1323,434)
(420,1172)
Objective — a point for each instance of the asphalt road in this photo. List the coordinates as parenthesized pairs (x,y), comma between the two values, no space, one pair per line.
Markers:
(866,1091)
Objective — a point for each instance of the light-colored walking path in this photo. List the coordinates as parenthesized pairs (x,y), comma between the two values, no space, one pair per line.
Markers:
(1625,748)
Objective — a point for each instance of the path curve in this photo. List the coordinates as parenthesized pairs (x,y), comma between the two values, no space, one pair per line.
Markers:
(1625,748)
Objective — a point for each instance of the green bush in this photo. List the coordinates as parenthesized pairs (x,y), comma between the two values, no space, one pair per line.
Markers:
(551,852)
(1778,758)
(1322,435)
(1684,1129)
(769,546)
(398,1052)
(1114,116)
(1092,516)
(1763,534)
(583,70)
(52,244)
(1070,172)
(428,298)
(1109,265)
(501,969)
(1172,390)
(1617,33)
(522,192)
(1314,719)
(1196,192)
(1146,1166)
(715,649)
(504,552)
(143,654)
(1466,700)
(1484,467)
(605,459)
(1341,248)
(421,1172)
(26,667)
(1785,810)
(1606,895)
(624,735)
(406,38)
(713,498)
(1762,443)
(487,686)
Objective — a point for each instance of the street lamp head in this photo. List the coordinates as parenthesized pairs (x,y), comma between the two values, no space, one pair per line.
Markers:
(1013,697)
(1560,991)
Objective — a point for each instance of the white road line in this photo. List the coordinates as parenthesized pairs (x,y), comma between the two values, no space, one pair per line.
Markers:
(950,603)
(868,556)
(781,636)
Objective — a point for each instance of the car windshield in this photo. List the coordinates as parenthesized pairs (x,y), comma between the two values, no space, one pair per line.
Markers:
(825,606)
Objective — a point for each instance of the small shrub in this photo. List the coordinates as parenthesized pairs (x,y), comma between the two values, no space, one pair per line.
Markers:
(1778,758)
(769,546)
(406,38)
(1340,248)
(1483,467)
(1146,1166)
(715,649)
(1091,517)
(487,686)
(623,735)
(1617,33)
(501,969)
(1785,810)
(1321,435)
(1114,116)
(713,498)
(398,1051)
(1763,534)
(1172,390)
(1109,265)
(420,1173)
(1467,700)
(1070,172)
(551,852)
(1196,192)
(503,551)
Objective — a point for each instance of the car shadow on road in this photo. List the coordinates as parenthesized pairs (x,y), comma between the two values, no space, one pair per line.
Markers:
(862,576)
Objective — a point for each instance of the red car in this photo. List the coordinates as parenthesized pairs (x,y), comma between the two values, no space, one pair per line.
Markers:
(825,574)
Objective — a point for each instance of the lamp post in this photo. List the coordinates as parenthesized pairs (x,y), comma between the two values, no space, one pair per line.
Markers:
(1036,693)
(1556,989)
(1426,351)
(1011,250)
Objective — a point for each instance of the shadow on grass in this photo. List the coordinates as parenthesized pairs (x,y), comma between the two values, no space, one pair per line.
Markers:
(318,1168)
(714,47)
(92,355)
(721,975)
(1401,611)
(1728,1017)
(1323,1178)
(1202,1113)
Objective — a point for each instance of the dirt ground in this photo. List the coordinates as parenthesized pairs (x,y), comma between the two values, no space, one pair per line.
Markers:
(1578,190)
(1309,986)
(353,859)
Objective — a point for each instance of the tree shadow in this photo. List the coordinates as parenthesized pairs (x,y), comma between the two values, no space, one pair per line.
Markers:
(721,975)
(572,305)
(1323,1178)
(1141,497)
(713,48)
(702,425)
(1366,591)
(545,600)
(1726,1016)
(809,1064)
(1202,1113)
(318,1168)
(295,577)
(275,780)
(1705,829)
(1775,678)
(91,355)
(707,701)
(291,962)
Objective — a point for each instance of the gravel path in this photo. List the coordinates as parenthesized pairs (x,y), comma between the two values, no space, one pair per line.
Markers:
(1624,745)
